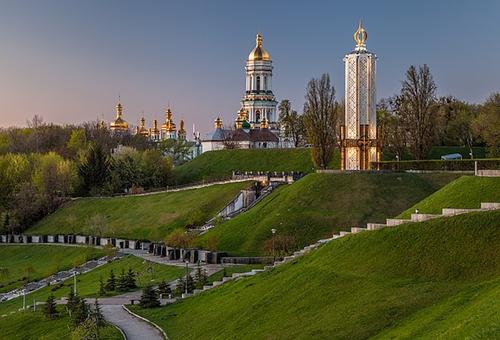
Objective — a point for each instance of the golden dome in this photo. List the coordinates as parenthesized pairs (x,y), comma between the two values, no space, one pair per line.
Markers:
(119,123)
(218,123)
(182,129)
(142,129)
(264,123)
(258,53)
(169,124)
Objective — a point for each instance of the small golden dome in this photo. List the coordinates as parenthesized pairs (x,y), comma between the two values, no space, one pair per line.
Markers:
(264,123)
(258,53)
(169,124)
(218,123)
(119,123)
(182,129)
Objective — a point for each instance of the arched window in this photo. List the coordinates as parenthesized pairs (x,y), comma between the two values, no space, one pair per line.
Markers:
(257,116)
(265,83)
(258,83)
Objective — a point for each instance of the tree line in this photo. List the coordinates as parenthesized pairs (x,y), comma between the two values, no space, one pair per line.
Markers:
(411,122)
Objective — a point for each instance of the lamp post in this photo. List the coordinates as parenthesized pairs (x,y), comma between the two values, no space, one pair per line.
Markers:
(187,273)
(274,233)
(74,283)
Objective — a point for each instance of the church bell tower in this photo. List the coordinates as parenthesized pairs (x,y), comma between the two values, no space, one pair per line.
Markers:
(359,144)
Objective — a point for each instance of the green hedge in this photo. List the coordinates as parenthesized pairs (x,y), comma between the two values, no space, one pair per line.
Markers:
(449,165)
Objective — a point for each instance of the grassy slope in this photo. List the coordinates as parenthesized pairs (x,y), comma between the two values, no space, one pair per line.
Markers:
(465,192)
(33,325)
(38,262)
(319,204)
(220,164)
(149,217)
(416,280)
(88,284)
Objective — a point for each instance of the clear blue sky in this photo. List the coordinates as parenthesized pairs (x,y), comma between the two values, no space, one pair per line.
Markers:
(68,60)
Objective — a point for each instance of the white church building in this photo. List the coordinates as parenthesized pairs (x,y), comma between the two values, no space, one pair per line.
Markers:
(256,124)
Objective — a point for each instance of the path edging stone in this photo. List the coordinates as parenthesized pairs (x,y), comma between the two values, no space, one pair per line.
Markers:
(162,332)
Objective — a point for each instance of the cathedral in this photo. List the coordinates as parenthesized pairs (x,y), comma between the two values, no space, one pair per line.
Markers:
(256,123)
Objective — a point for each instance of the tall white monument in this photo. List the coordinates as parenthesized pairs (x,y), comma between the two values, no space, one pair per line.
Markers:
(358,136)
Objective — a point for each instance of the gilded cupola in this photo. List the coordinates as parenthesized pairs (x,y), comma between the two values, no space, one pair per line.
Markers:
(258,53)
(119,124)
(169,124)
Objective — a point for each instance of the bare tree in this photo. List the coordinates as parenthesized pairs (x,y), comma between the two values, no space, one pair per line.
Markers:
(35,123)
(320,119)
(291,123)
(229,140)
(416,108)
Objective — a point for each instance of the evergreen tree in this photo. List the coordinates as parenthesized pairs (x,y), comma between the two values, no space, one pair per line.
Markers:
(50,309)
(164,288)
(111,283)
(96,314)
(122,284)
(180,288)
(131,279)
(73,300)
(102,288)
(200,278)
(149,298)
(190,283)
(80,312)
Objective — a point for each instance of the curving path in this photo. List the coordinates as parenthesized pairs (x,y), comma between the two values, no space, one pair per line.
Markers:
(133,327)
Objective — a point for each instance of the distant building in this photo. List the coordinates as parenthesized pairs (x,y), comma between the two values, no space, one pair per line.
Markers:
(256,124)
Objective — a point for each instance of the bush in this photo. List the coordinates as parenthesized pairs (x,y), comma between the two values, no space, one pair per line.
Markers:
(430,165)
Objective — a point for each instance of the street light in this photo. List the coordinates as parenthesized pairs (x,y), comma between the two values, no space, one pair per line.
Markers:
(187,273)
(274,233)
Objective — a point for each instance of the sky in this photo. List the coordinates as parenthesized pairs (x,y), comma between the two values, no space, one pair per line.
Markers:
(68,60)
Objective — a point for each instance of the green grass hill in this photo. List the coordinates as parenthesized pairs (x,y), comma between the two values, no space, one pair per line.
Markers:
(220,164)
(464,192)
(30,263)
(320,204)
(436,279)
(149,217)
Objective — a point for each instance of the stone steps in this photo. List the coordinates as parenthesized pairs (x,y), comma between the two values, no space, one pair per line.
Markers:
(423,217)
(344,233)
(392,222)
(490,205)
(453,212)
(375,226)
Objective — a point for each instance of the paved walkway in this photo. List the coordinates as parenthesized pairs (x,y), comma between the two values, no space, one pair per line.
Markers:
(133,327)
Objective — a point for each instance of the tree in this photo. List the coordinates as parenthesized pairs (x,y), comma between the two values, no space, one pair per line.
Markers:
(201,278)
(486,125)
(392,134)
(320,119)
(96,314)
(164,288)
(86,330)
(179,238)
(94,169)
(177,149)
(416,109)
(291,123)
(50,309)
(122,284)
(102,287)
(80,312)
(72,301)
(131,279)
(149,298)
(98,224)
(77,142)
(111,283)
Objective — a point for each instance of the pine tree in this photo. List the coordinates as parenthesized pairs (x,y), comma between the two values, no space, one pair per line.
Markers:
(50,309)
(102,288)
(131,280)
(80,313)
(111,283)
(96,314)
(73,300)
(200,278)
(149,298)
(180,288)
(122,284)
(164,288)
(190,283)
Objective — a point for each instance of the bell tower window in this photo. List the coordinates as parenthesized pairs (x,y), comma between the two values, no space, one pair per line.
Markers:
(258,83)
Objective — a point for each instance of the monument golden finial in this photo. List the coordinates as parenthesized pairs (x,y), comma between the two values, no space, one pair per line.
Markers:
(360,36)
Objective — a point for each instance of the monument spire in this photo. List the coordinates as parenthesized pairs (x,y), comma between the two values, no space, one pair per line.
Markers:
(360,37)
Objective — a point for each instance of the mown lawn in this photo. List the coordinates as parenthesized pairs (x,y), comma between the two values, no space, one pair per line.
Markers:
(230,270)
(464,192)
(220,164)
(320,204)
(436,279)
(88,284)
(150,217)
(33,325)
(21,264)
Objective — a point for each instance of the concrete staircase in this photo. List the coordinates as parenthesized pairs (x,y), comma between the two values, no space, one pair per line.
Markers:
(390,222)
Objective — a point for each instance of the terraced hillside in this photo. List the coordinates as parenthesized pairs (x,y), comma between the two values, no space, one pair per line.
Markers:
(464,192)
(319,204)
(435,279)
(220,164)
(30,263)
(149,217)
